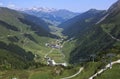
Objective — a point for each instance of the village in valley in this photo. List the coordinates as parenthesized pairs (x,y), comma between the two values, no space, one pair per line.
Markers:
(58,44)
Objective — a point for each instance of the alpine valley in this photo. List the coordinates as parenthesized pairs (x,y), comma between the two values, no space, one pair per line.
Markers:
(44,43)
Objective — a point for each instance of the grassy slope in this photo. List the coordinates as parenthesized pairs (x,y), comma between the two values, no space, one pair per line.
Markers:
(50,74)
(40,73)
(94,38)
(27,36)
(67,48)
(90,68)
(81,22)
(102,40)
(46,72)
(111,73)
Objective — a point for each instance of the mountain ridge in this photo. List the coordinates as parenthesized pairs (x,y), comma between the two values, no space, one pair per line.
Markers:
(93,37)
(83,21)
(20,35)
(53,16)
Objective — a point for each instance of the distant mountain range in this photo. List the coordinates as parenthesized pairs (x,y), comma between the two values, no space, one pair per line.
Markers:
(52,16)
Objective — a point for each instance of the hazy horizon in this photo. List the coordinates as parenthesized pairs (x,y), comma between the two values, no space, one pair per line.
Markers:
(75,6)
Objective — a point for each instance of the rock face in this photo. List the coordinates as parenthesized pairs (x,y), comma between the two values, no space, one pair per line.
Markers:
(115,7)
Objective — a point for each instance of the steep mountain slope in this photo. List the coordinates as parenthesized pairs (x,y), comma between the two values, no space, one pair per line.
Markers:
(20,36)
(95,36)
(36,22)
(52,16)
(81,22)
(111,23)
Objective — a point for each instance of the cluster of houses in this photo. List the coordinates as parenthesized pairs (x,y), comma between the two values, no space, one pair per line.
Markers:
(51,62)
(53,45)
(56,44)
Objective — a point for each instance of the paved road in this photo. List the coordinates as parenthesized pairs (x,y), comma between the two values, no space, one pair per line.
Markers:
(74,74)
(102,19)
(113,37)
(102,70)
(107,66)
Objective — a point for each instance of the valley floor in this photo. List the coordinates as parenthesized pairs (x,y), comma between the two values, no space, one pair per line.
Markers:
(58,72)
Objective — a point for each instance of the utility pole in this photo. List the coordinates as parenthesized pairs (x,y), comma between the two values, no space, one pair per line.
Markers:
(110,55)
(93,57)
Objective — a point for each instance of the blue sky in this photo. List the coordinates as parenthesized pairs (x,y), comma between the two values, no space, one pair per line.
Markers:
(72,5)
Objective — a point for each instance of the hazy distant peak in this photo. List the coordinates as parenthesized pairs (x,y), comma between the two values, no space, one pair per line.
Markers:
(94,11)
(40,9)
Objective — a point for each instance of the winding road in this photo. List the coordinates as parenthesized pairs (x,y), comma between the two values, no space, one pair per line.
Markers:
(104,69)
(109,65)
(113,37)
(100,71)
(102,18)
(80,70)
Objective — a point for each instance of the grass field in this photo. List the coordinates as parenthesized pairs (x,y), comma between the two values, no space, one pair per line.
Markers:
(57,56)
(113,73)
(45,72)
(19,74)
(49,72)
(67,48)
